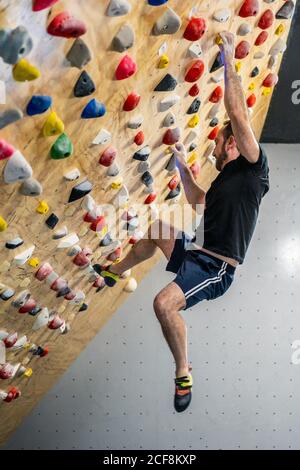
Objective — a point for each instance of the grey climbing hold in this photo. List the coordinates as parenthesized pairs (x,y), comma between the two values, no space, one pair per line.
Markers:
(12,244)
(278,47)
(194,108)
(286,11)
(21,299)
(124,39)
(107,240)
(9,116)
(171,165)
(222,15)
(79,55)
(168,102)
(214,111)
(118,8)
(142,154)
(113,170)
(218,63)
(60,233)
(135,122)
(168,83)
(168,23)
(84,85)
(31,187)
(169,120)
(214,122)
(80,190)
(143,166)
(17,168)
(14,44)
(147,178)
(74,250)
(7,294)
(244,29)
(174,193)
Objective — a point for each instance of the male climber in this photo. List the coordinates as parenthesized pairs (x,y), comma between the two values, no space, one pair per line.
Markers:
(230,215)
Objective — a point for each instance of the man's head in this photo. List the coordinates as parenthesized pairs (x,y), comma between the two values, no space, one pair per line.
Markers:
(226,147)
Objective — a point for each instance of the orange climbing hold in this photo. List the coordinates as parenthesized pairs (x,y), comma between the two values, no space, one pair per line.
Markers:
(195,71)
(195,29)
(131,101)
(251,100)
(139,138)
(213,134)
(216,95)
(67,26)
(174,182)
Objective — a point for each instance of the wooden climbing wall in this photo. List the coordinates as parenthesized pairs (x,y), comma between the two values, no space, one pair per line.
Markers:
(57,80)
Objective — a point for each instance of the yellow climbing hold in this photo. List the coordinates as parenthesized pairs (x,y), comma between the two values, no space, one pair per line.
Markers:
(266,91)
(3,224)
(117,261)
(53,125)
(117,184)
(238,67)
(251,86)
(192,158)
(219,40)
(34,262)
(23,71)
(42,208)
(28,372)
(280,29)
(194,121)
(163,62)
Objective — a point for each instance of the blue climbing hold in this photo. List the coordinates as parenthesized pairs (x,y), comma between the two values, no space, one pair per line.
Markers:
(38,105)
(93,109)
(156,3)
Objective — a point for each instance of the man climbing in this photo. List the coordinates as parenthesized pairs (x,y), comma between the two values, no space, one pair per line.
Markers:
(231,211)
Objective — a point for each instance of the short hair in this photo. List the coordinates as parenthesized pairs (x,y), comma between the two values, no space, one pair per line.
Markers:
(227,130)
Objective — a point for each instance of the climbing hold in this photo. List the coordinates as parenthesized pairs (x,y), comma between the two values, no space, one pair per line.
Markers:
(98,224)
(244,29)
(94,109)
(151,198)
(52,221)
(135,237)
(134,222)
(117,184)
(195,71)
(171,136)
(168,102)
(14,44)
(12,244)
(216,95)
(10,340)
(41,320)
(72,175)
(135,122)
(3,224)
(124,39)
(218,63)
(108,156)
(194,107)
(251,100)
(192,158)
(139,138)
(143,166)
(6,295)
(44,270)
(272,61)
(168,23)
(214,122)
(118,8)
(38,5)
(84,307)
(278,47)
(169,120)
(106,240)
(62,148)
(270,80)
(156,3)
(286,11)
(280,29)
(242,50)
(34,262)
(122,197)
(82,260)
(266,20)
(23,257)
(17,168)
(9,116)
(147,178)
(66,26)
(222,15)
(31,187)
(42,207)
(195,50)
(53,125)
(79,55)
(6,150)
(142,154)
(251,86)
(113,170)
(28,306)
(174,193)
(213,134)
(174,182)
(163,62)
(195,29)
(218,77)
(238,67)
(258,55)
(261,38)
(81,190)
(21,299)
(126,68)
(194,90)
(131,101)
(84,85)
(103,137)
(171,165)
(38,105)
(168,83)
(194,121)
(23,71)
(249,8)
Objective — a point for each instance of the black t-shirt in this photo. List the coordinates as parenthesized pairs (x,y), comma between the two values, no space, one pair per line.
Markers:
(232,206)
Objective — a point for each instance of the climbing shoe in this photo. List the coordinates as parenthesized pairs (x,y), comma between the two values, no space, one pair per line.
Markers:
(183,392)
(110,278)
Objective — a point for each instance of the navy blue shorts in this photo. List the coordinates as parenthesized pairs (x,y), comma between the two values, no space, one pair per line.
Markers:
(199,275)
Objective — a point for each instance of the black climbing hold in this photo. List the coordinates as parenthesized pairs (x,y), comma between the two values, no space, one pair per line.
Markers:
(171,165)
(143,154)
(214,122)
(286,11)
(12,244)
(84,85)
(168,83)
(52,221)
(194,108)
(218,63)
(254,72)
(35,311)
(98,268)
(107,240)
(63,291)
(80,190)
(147,178)
(174,193)
(193,146)
(83,307)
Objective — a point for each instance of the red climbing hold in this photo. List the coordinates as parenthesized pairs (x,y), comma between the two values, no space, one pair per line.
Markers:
(6,150)
(81,259)
(251,100)
(266,20)
(12,394)
(30,305)
(195,29)
(43,271)
(194,91)
(270,80)
(216,95)
(195,71)
(126,68)
(261,38)
(131,101)
(139,138)
(98,224)
(174,182)
(67,26)
(70,295)
(56,323)
(115,254)
(89,217)
(59,284)
(249,8)
(195,169)
(108,156)
(171,137)
(149,199)
(214,133)
(38,5)
(99,283)
(242,50)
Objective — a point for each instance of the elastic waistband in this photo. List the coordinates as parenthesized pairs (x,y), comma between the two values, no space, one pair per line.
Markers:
(229,269)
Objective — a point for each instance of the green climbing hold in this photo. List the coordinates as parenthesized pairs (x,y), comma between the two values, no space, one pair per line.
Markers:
(62,148)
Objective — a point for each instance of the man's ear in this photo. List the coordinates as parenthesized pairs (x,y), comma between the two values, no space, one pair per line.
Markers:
(231,142)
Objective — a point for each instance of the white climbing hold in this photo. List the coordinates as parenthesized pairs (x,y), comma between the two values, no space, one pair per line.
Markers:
(210,149)
(72,175)
(113,170)
(214,111)
(118,8)
(195,50)
(41,320)
(103,137)
(79,298)
(106,250)
(74,250)
(20,343)
(168,102)
(222,15)
(218,77)
(131,285)
(169,120)
(259,55)
(2,352)
(193,134)
(244,29)
(125,274)
(278,47)
(88,203)
(24,256)
(17,168)
(51,278)
(60,233)
(68,241)
(135,122)
(122,197)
